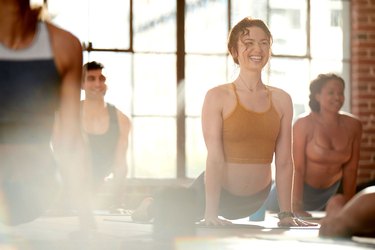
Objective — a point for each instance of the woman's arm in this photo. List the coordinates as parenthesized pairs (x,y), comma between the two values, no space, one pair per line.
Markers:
(283,152)
(284,161)
(69,145)
(299,155)
(350,169)
(212,131)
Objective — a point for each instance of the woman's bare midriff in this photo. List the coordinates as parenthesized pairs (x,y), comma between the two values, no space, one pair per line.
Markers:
(322,175)
(246,179)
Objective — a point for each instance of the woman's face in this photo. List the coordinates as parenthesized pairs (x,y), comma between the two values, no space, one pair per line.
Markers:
(253,49)
(331,97)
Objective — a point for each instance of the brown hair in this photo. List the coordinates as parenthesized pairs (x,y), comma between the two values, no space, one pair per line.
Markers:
(241,29)
(93,65)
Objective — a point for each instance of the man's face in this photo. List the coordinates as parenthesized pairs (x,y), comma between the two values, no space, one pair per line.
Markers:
(94,84)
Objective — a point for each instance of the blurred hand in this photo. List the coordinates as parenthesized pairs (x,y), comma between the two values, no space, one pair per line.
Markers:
(215,221)
(295,222)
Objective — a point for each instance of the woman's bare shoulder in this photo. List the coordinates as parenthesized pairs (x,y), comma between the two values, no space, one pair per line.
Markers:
(304,120)
(66,48)
(351,120)
(278,91)
(281,101)
(63,37)
(220,90)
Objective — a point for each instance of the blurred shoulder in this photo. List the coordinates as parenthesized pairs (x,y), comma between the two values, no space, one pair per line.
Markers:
(63,39)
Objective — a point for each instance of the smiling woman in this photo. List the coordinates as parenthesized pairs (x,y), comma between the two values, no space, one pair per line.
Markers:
(326,148)
(242,130)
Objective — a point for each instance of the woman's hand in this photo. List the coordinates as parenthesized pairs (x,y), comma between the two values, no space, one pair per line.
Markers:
(215,221)
(288,219)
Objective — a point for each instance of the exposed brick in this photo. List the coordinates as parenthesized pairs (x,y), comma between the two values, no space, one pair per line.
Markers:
(365,61)
(366,10)
(364,174)
(366,78)
(361,3)
(363,81)
(357,70)
(362,43)
(364,178)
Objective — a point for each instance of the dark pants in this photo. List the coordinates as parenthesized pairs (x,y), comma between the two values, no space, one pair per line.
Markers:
(26,200)
(313,199)
(231,206)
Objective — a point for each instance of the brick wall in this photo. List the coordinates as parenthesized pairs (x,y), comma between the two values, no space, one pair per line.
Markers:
(363,81)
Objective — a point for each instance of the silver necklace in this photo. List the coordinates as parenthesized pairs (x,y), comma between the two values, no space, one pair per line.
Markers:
(250,89)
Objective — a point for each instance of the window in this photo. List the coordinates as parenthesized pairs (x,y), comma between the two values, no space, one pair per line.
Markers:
(137,43)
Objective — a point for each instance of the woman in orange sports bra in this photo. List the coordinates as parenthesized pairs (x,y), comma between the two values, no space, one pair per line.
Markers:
(326,148)
(244,124)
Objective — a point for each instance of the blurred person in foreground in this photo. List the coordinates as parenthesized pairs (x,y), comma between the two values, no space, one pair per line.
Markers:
(355,217)
(40,75)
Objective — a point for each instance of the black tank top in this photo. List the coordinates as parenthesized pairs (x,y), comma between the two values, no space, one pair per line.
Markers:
(103,146)
(29,91)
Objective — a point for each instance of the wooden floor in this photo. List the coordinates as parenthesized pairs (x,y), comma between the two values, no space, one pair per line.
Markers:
(119,232)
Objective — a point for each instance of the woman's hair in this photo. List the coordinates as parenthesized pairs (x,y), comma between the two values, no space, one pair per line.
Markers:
(37,11)
(240,29)
(316,87)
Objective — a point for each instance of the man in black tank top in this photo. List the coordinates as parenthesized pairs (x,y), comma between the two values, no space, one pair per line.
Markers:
(106,130)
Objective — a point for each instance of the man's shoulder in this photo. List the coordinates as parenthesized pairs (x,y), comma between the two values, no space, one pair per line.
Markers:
(119,114)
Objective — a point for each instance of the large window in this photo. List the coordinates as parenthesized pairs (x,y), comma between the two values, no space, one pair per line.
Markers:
(141,42)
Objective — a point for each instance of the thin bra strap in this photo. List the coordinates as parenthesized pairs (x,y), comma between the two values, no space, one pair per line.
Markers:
(267,88)
(235,91)
(270,97)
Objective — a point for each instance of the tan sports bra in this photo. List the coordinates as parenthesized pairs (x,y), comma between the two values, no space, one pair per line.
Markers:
(248,136)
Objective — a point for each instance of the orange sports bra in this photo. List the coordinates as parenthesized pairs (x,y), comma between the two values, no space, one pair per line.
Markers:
(248,136)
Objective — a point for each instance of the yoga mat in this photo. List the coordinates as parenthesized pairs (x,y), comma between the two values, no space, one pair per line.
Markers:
(230,226)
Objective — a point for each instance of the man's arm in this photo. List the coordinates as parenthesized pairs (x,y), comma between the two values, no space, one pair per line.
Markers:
(120,166)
